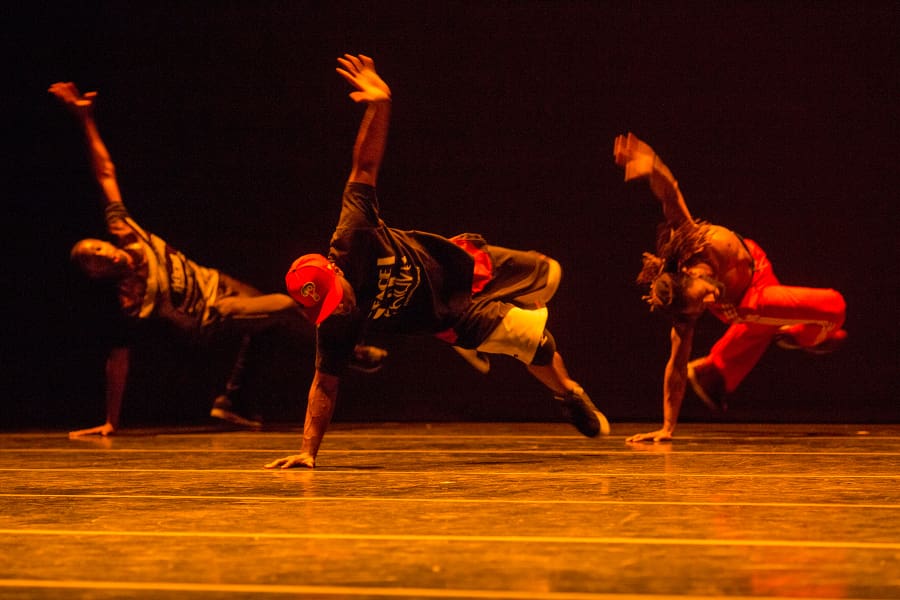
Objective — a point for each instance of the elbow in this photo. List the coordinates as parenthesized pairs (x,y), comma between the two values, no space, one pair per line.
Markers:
(106,171)
(364,172)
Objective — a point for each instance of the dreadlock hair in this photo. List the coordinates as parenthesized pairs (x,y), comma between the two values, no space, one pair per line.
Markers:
(662,272)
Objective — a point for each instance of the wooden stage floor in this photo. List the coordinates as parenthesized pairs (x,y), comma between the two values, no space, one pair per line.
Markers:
(461,511)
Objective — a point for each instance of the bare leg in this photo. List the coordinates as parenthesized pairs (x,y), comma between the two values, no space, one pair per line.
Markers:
(478,360)
(575,402)
(554,376)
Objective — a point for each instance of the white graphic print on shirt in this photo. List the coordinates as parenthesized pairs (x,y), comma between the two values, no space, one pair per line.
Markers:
(393,292)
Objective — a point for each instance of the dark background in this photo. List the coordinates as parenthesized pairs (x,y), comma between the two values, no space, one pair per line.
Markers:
(232,137)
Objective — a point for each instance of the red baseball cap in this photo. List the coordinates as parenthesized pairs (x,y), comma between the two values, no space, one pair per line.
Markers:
(313,284)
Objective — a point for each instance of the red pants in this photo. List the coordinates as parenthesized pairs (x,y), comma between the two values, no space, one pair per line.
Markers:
(810,315)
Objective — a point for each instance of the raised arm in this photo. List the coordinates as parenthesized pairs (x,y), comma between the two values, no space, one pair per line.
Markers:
(371,139)
(82,107)
(640,161)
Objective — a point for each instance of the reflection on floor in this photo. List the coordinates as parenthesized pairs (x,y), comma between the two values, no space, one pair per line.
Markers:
(473,510)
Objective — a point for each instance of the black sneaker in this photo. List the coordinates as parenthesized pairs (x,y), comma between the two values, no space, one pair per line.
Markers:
(223,409)
(708,384)
(368,359)
(583,414)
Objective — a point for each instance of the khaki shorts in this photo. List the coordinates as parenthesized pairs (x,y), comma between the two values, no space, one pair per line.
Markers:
(518,334)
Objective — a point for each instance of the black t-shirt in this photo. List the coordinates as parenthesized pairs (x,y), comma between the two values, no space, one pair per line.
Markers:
(406,282)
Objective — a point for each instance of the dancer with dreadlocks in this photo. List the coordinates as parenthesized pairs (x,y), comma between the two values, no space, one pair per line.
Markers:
(699,266)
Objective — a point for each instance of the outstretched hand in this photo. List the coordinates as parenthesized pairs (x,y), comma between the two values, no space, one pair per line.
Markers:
(68,94)
(295,460)
(359,71)
(103,430)
(635,156)
(660,435)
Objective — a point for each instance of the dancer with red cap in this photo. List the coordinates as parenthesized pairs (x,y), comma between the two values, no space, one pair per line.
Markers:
(699,266)
(480,298)
(157,282)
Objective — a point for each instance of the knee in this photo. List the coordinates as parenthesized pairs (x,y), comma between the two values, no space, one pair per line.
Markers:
(546,349)
(837,306)
(840,302)
(554,273)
